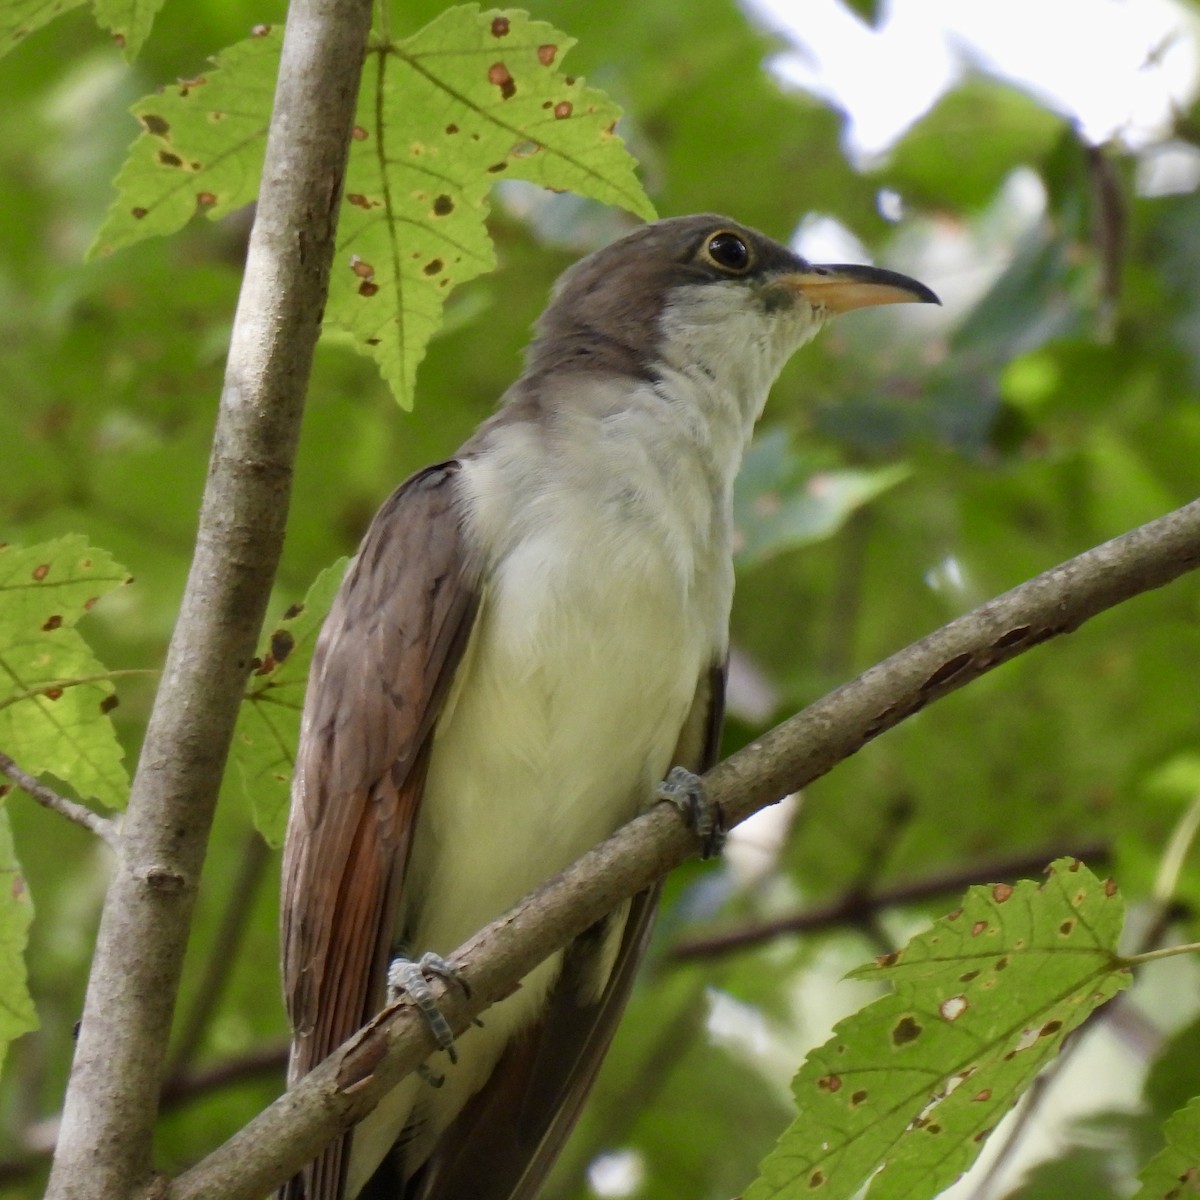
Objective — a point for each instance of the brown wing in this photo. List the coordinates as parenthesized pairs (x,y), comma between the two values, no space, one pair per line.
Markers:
(505,1141)
(382,667)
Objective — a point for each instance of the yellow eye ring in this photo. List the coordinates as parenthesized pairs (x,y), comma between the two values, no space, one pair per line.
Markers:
(728,252)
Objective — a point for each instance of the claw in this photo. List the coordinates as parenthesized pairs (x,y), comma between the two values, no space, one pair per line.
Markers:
(685,791)
(411,978)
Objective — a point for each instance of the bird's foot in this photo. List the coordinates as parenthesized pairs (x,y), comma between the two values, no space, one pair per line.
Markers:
(685,791)
(406,977)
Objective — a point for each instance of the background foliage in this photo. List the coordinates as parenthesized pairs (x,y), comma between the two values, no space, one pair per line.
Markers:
(905,471)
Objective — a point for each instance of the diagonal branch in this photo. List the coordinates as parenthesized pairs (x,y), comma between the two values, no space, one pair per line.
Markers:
(356,1076)
(104,1149)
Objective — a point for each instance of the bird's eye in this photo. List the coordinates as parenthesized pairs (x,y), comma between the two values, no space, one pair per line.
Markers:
(729,252)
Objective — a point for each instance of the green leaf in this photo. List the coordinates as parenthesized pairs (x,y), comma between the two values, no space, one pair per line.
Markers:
(268,725)
(784,499)
(20,18)
(54,694)
(472,98)
(17,1015)
(1175,1171)
(913,1083)
(201,149)
(986,129)
(129,21)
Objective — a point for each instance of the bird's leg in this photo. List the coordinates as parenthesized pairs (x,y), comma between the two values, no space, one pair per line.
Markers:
(685,790)
(408,977)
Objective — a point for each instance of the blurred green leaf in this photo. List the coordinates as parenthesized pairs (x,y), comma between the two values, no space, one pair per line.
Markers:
(20,18)
(17,1015)
(784,500)
(268,726)
(129,21)
(1175,1171)
(55,696)
(985,129)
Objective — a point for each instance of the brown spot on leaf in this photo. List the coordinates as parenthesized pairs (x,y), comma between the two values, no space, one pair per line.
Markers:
(858,1098)
(952,1008)
(979,1137)
(569,80)
(53,693)
(1050,1029)
(119,39)
(168,159)
(954,915)
(978,928)
(986,1094)
(1001,892)
(451,128)
(496,168)
(815,1180)
(887,960)
(282,644)
(1067,927)
(830,1083)
(260,31)
(499,75)
(1075,865)
(40,572)
(443,206)
(367,288)
(206,199)
(1000,964)
(967,977)
(546,53)
(433,266)
(216,115)
(186,85)
(362,269)
(905,1030)
(53,622)
(562,110)
(109,703)
(152,123)
(359,134)
(372,341)
(1110,887)
(294,610)
(361,201)
(500,27)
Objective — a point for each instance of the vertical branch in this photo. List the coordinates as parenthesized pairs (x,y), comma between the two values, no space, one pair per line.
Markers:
(104,1148)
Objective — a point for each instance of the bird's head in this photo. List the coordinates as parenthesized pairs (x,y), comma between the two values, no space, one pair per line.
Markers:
(702,292)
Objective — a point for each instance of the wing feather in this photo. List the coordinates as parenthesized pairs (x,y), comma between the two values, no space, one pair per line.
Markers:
(383,665)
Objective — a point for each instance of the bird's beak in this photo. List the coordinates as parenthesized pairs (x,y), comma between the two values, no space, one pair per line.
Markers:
(841,287)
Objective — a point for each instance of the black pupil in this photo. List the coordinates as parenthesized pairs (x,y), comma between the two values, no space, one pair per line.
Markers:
(728,250)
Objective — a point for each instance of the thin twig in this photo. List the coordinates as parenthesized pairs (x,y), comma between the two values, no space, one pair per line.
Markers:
(102,827)
(855,906)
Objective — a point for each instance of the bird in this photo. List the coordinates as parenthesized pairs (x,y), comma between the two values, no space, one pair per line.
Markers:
(532,636)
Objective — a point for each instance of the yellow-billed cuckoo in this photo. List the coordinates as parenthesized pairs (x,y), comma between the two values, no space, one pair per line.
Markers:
(532,636)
